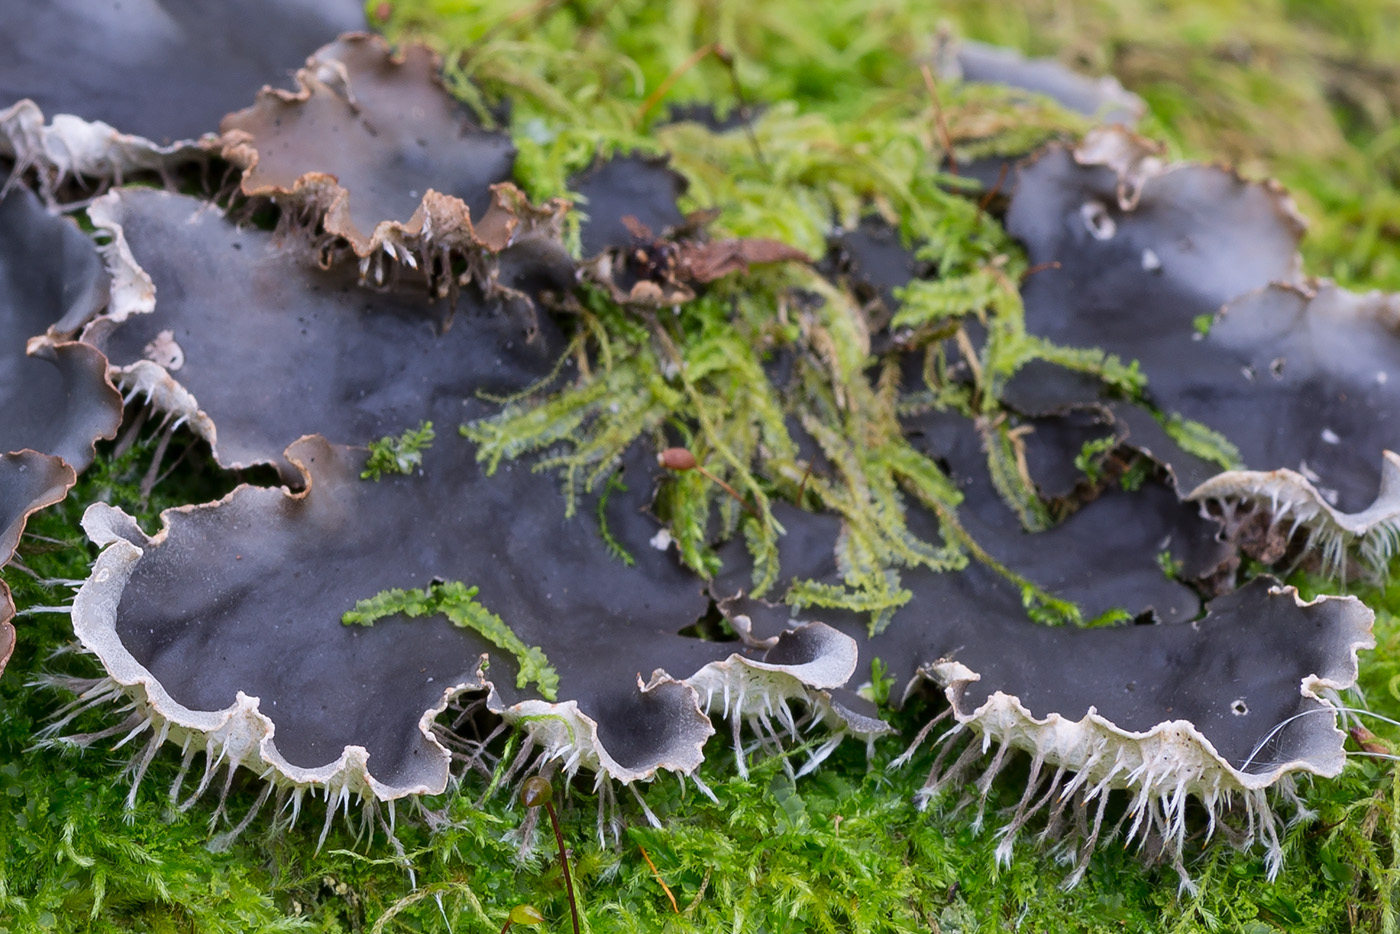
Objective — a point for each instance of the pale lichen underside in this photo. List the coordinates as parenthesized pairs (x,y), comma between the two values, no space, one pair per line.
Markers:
(246,732)
(1160,767)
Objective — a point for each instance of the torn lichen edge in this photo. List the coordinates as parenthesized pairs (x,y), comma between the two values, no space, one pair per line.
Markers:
(50,480)
(242,734)
(1291,499)
(1160,768)
(133,293)
(1136,160)
(70,147)
(1373,534)
(441,228)
(1294,498)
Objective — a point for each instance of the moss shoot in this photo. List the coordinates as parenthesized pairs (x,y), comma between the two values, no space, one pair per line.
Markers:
(458,603)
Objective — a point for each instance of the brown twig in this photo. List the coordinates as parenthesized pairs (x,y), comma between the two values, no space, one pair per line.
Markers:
(992,192)
(655,96)
(945,139)
(1040,267)
(726,58)
(745,113)
(802,487)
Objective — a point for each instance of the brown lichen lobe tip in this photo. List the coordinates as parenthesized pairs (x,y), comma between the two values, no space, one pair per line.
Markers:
(102,89)
(367,141)
(7,643)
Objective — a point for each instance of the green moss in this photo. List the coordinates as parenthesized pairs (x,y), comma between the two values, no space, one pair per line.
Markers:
(458,603)
(1090,458)
(700,374)
(1203,442)
(401,455)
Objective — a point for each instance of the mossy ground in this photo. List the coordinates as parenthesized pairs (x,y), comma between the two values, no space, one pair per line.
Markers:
(1305,92)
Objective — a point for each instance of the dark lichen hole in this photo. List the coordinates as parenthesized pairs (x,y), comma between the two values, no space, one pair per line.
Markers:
(1097,220)
(712,627)
(1239,708)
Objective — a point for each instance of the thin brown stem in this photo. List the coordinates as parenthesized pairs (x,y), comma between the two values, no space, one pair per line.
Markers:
(745,113)
(802,487)
(655,96)
(680,459)
(748,507)
(945,139)
(992,192)
(564,862)
(1040,267)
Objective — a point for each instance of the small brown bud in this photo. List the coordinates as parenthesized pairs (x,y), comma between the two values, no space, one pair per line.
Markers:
(676,459)
(535,791)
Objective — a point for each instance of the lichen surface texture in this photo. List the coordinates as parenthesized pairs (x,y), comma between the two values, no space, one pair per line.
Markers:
(880,479)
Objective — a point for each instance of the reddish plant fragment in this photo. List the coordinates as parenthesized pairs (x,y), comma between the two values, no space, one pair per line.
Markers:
(641,248)
(643,188)
(706,262)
